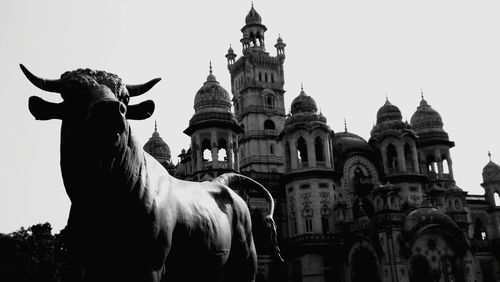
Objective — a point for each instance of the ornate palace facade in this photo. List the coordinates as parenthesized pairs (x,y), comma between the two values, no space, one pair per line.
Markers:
(386,209)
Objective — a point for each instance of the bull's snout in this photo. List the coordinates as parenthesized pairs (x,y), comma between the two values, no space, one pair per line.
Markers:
(107,118)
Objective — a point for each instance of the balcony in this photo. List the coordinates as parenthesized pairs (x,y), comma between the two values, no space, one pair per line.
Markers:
(211,165)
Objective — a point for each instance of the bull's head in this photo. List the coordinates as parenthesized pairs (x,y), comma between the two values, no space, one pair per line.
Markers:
(96,99)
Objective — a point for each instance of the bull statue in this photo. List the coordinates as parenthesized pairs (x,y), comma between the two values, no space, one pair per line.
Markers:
(129,219)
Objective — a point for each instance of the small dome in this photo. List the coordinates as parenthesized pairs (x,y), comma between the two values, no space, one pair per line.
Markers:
(230,50)
(344,142)
(157,148)
(280,40)
(212,94)
(303,103)
(427,215)
(388,112)
(253,17)
(426,117)
(491,171)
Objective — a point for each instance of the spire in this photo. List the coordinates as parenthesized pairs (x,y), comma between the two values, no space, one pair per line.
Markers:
(210,76)
(422,93)
(301,86)
(345,125)
(489,155)
(155,133)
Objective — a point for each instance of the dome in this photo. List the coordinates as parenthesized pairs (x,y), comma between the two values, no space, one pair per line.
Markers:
(491,171)
(426,117)
(280,40)
(211,95)
(388,112)
(253,17)
(303,103)
(427,215)
(344,142)
(157,148)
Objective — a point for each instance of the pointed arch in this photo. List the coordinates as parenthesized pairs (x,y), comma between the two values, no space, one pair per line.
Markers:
(222,150)
(269,125)
(392,157)
(496,198)
(206,148)
(302,152)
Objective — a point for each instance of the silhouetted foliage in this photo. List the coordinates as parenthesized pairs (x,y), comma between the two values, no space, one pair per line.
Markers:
(34,254)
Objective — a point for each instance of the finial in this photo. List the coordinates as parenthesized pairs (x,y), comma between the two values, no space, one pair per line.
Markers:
(489,155)
(156,127)
(422,93)
(210,65)
(386,97)
(252,4)
(345,125)
(301,87)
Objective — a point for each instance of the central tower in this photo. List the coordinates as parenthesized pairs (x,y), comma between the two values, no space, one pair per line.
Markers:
(258,98)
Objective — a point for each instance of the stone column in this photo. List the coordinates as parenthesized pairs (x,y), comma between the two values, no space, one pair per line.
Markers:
(199,154)
(236,153)
(415,159)
(401,157)
(293,154)
(326,152)
(229,151)
(437,156)
(311,152)
(450,165)
(215,149)
(384,159)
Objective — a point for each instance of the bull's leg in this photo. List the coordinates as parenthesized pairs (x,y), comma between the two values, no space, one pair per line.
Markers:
(242,262)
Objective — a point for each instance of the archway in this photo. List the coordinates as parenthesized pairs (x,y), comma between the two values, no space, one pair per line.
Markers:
(420,271)
(363,265)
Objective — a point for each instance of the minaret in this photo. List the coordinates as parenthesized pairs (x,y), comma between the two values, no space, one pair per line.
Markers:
(213,130)
(433,145)
(258,98)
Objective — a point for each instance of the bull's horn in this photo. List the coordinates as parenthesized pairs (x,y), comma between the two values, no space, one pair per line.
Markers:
(43,110)
(136,90)
(140,111)
(44,84)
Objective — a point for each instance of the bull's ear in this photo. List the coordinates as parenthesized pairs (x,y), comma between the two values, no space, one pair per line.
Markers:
(140,111)
(43,110)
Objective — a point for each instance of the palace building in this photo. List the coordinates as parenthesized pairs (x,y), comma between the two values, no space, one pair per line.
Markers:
(348,209)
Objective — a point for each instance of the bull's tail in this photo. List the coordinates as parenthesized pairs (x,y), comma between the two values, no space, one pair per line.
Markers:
(230,179)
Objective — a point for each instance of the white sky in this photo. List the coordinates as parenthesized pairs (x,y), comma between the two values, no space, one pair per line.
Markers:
(348,54)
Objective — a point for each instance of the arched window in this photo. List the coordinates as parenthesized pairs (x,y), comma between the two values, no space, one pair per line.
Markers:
(497,199)
(302,152)
(408,157)
(458,204)
(222,151)
(287,155)
(206,147)
(265,77)
(260,76)
(479,231)
(272,77)
(270,102)
(392,158)
(318,148)
(269,125)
